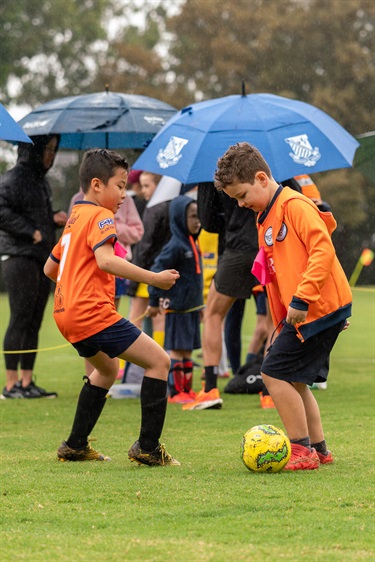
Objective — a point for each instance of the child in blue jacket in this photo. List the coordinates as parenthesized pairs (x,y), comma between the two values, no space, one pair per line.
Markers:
(183,303)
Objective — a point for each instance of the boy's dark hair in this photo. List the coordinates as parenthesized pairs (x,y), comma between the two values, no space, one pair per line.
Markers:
(99,163)
(240,163)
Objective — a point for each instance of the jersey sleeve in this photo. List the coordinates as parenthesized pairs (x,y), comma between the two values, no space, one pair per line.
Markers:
(55,255)
(102,229)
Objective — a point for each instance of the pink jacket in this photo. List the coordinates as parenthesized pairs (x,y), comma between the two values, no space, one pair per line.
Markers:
(129,226)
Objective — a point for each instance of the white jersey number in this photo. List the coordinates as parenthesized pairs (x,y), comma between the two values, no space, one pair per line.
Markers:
(65,242)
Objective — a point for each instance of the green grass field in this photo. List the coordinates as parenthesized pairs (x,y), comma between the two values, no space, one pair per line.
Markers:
(209,509)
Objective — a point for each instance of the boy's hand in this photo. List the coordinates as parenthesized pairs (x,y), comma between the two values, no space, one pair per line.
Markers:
(166,279)
(60,218)
(152,311)
(295,316)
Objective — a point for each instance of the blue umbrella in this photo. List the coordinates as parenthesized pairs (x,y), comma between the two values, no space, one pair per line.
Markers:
(294,137)
(102,120)
(9,128)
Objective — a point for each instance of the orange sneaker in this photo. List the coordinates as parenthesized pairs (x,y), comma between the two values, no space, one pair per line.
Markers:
(302,458)
(180,398)
(266,401)
(325,459)
(205,401)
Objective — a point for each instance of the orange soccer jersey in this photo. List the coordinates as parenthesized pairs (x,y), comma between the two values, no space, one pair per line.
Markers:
(84,294)
(302,262)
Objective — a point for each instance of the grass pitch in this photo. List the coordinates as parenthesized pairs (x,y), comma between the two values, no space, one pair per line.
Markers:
(209,509)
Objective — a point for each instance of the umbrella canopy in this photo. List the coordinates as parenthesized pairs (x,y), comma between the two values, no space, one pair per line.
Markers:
(364,160)
(294,137)
(9,128)
(102,120)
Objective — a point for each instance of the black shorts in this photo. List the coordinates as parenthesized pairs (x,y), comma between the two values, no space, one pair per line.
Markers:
(233,277)
(291,360)
(113,340)
(260,303)
(182,331)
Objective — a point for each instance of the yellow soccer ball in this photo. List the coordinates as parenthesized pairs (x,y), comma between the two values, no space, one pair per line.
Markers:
(265,448)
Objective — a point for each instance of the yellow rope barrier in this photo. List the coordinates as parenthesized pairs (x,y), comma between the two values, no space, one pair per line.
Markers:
(35,350)
(46,348)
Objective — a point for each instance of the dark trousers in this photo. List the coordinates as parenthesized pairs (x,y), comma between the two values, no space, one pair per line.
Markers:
(28,290)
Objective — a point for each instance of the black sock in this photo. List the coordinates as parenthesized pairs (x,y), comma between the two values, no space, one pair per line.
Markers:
(265,391)
(305,442)
(320,447)
(91,402)
(211,373)
(154,407)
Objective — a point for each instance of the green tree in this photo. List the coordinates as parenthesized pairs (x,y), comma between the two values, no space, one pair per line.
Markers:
(318,51)
(48,48)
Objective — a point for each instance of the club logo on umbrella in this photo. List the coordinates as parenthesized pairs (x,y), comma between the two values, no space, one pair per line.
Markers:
(170,155)
(153,120)
(303,152)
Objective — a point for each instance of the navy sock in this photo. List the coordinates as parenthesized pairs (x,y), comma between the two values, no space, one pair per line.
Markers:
(320,447)
(250,357)
(154,407)
(305,442)
(211,373)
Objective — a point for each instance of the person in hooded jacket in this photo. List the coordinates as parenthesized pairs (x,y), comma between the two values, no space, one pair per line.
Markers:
(183,303)
(27,236)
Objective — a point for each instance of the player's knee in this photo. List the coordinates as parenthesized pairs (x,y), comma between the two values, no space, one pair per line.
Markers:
(162,362)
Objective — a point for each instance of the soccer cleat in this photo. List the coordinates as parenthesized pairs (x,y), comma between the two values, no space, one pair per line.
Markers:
(205,401)
(302,458)
(157,457)
(13,393)
(65,453)
(180,398)
(34,391)
(325,459)
(266,401)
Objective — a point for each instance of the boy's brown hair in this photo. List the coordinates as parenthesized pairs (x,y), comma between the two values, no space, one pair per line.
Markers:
(240,163)
(99,163)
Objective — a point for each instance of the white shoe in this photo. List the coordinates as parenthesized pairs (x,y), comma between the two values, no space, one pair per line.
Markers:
(320,385)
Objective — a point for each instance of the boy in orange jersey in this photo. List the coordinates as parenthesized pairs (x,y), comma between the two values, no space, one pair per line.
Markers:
(84,266)
(309,295)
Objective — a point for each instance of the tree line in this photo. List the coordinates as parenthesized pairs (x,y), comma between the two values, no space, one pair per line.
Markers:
(182,51)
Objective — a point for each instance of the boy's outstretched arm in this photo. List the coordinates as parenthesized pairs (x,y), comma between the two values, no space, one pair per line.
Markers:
(119,267)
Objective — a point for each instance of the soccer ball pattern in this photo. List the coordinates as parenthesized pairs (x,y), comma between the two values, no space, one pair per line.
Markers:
(265,448)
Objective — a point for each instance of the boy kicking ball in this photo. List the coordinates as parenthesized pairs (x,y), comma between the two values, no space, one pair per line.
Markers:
(83,265)
(309,295)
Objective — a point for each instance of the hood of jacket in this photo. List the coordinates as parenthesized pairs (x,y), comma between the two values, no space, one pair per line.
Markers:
(178,217)
(31,155)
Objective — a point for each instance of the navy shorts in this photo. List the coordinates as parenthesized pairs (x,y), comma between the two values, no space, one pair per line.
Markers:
(113,340)
(260,303)
(233,277)
(291,360)
(182,331)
